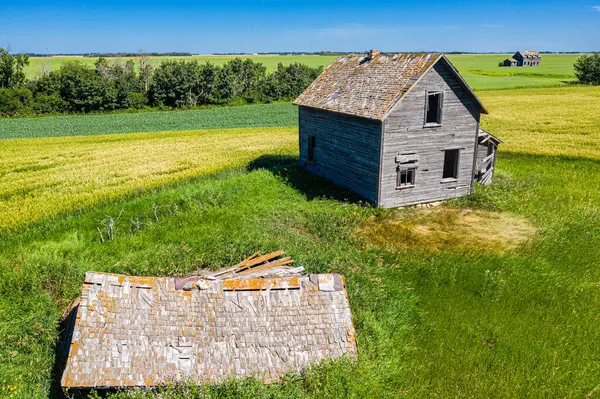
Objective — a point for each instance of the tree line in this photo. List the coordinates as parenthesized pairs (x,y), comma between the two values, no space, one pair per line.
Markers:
(118,85)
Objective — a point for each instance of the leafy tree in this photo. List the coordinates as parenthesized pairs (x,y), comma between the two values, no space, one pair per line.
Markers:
(289,81)
(11,69)
(15,101)
(84,90)
(241,79)
(177,84)
(46,84)
(120,78)
(587,69)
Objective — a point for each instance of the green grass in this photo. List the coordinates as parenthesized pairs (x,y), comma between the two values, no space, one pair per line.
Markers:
(481,71)
(522,323)
(37,64)
(40,178)
(259,115)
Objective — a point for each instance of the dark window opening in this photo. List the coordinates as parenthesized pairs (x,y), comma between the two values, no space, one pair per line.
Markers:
(450,164)
(312,144)
(406,177)
(434,108)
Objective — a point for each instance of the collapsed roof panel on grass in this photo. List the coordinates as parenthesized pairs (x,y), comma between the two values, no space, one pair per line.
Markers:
(145,331)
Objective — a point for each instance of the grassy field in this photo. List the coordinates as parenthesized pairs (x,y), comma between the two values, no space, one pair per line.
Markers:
(270,61)
(481,71)
(42,178)
(446,319)
(260,115)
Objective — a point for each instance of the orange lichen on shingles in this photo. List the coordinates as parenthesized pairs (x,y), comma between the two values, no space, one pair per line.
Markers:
(261,284)
(365,87)
(172,321)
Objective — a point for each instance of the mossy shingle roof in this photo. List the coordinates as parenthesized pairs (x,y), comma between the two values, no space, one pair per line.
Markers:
(144,331)
(366,87)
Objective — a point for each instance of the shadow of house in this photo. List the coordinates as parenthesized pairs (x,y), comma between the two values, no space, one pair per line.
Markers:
(286,168)
(61,354)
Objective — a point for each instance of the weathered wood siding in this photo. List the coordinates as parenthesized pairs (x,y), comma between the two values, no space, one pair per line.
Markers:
(486,160)
(347,149)
(404,132)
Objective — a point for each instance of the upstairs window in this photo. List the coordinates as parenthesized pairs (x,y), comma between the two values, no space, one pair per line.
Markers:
(433,114)
(312,144)
(450,164)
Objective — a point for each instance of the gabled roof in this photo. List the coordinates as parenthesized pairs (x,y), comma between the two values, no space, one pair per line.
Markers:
(369,87)
(145,331)
(511,59)
(528,53)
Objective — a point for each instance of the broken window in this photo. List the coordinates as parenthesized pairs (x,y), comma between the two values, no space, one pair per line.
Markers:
(406,177)
(433,115)
(312,144)
(450,164)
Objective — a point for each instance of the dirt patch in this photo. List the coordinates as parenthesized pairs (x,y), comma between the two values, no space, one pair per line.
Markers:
(447,229)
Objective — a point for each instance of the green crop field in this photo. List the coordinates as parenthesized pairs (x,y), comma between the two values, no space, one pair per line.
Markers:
(492,295)
(260,115)
(480,70)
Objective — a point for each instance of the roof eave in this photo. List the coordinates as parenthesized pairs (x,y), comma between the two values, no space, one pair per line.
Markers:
(339,112)
(482,108)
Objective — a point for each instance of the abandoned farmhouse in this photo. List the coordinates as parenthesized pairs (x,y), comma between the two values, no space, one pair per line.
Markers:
(397,129)
(523,58)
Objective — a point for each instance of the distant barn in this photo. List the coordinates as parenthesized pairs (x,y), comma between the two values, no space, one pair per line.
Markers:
(397,129)
(527,58)
(510,62)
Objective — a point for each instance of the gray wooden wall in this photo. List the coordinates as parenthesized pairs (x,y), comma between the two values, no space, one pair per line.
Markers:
(404,132)
(347,149)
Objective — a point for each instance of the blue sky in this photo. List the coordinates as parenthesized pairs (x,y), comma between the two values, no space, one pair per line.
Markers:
(270,25)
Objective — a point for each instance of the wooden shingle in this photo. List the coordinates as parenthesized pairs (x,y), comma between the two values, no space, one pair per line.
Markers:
(146,331)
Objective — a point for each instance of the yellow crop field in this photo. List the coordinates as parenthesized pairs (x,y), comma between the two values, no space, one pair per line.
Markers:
(558,121)
(45,177)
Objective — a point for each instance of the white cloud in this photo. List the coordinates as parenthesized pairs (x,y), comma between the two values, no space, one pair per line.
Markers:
(597,8)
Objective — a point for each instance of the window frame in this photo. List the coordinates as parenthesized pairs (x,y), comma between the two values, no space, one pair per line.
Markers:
(440,107)
(454,176)
(409,171)
(311,150)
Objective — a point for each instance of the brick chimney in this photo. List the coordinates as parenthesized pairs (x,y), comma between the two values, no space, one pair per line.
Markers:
(374,53)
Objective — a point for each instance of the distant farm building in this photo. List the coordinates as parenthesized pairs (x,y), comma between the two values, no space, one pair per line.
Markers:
(510,62)
(396,129)
(527,58)
(259,319)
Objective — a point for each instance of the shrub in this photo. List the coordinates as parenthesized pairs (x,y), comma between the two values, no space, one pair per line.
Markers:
(178,84)
(587,69)
(289,81)
(48,104)
(15,102)
(84,90)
